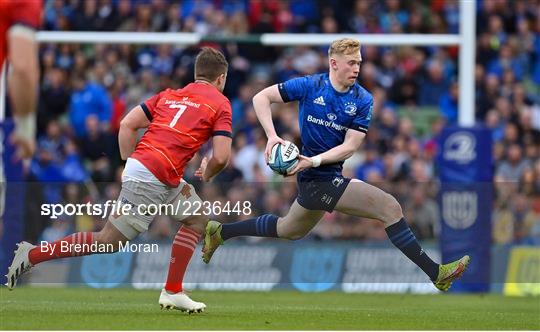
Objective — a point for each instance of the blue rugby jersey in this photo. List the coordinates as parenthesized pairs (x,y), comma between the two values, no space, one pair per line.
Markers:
(325,114)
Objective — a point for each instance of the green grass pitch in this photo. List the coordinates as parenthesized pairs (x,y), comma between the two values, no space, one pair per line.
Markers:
(127,309)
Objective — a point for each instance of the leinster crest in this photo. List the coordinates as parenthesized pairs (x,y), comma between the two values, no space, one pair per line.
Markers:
(350,108)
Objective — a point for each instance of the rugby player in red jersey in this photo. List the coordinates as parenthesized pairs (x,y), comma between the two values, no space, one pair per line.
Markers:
(178,122)
(19,21)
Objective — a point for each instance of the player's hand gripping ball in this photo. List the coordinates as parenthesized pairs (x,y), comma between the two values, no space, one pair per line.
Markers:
(283,157)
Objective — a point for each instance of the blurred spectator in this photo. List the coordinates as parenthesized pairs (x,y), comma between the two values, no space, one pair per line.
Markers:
(88,98)
(245,157)
(514,166)
(529,135)
(493,122)
(240,104)
(372,163)
(53,97)
(515,225)
(118,98)
(433,84)
(405,90)
(95,148)
(162,64)
(51,146)
(423,213)
(394,18)
(388,73)
(448,104)
(86,16)
(144,88)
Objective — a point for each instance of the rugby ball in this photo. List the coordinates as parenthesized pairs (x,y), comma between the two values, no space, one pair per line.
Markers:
(283,158)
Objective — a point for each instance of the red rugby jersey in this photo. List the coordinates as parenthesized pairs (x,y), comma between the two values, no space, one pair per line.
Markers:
(180,122)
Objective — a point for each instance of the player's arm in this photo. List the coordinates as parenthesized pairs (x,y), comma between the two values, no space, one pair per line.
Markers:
(261,105)
(353,140)
(129,126)
(221,144)
(221,153)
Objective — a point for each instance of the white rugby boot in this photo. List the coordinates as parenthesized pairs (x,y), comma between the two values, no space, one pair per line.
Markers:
(179,301)
(20,265)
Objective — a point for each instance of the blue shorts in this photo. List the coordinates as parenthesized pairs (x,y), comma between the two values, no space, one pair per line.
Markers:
(321,192)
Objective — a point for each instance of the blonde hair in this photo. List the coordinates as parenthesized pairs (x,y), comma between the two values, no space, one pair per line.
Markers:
(344,46)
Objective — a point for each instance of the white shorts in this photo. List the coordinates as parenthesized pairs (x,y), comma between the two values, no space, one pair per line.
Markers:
(141,188)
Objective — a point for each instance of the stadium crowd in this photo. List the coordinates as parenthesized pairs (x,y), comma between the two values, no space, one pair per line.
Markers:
(87,88)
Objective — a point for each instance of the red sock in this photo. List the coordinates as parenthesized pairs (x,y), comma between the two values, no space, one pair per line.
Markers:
(63,248)
(182,249)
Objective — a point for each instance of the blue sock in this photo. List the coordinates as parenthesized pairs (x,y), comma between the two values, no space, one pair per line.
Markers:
(262,226)
(403,238)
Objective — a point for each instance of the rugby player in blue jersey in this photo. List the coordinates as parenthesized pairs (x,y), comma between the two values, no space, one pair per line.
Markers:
(334,116)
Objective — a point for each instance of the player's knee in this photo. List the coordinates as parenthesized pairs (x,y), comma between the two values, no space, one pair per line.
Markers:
(392,210)
(292,235)
(288,232)
(288,228)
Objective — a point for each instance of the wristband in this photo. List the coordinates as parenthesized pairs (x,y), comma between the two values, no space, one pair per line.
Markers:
(316,161)
(25,126)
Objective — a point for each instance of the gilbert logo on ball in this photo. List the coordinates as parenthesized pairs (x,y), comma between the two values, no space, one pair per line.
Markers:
(283,157)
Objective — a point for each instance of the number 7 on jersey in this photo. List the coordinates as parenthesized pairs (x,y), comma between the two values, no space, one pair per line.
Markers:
(182,109)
